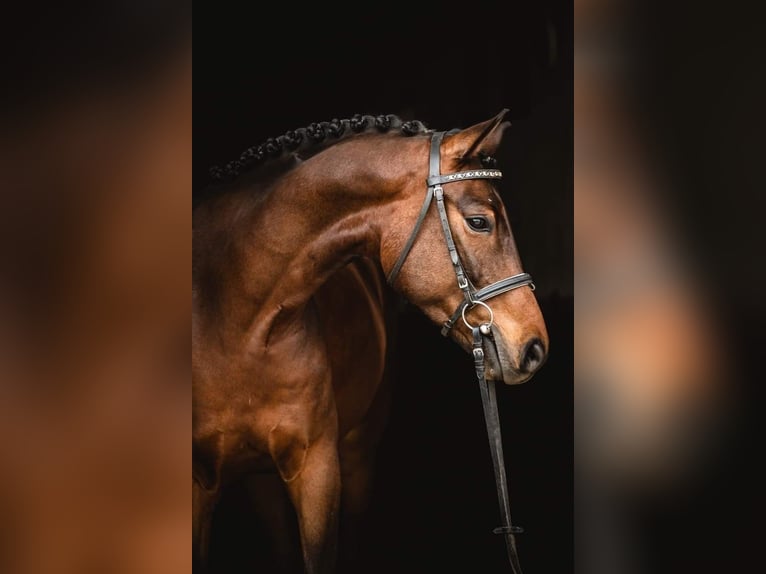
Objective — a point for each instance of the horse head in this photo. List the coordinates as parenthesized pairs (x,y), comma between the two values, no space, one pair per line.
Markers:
(423,268)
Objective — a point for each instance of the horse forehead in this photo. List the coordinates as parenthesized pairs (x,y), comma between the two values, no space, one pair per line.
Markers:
(480,191)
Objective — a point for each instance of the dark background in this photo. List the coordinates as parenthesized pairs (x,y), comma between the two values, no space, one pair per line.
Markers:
(695,79)
(434,502)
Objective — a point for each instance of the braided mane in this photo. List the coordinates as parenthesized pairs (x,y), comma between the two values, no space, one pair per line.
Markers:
(304,142)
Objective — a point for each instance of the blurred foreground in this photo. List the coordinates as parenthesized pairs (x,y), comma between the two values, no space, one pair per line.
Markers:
(95,173)
(662,434)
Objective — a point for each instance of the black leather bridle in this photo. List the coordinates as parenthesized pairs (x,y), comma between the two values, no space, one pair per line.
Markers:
(471,298)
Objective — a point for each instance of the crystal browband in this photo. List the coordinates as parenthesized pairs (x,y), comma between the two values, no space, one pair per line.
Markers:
(462,175)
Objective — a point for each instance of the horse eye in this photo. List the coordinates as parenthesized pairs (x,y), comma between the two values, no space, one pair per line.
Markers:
(478,223)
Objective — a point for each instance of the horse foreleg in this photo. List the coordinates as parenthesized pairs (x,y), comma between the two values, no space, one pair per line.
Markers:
(312,477)
(356,472)
(203,504)
(275,511)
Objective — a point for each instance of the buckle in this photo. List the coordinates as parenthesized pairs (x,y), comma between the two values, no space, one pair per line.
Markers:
(462,281)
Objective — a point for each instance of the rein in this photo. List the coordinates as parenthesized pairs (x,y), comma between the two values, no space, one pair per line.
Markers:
(482,333)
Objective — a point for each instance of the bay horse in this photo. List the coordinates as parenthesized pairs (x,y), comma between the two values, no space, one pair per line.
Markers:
(271,382)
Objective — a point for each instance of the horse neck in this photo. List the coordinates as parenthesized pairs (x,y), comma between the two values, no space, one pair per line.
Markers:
(283,244)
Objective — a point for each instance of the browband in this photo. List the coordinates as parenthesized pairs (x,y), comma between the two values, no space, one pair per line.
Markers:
(463,175)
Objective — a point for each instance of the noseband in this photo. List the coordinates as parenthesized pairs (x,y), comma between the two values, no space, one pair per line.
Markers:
(471,298)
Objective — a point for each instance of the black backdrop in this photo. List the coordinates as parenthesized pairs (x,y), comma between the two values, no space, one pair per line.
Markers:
(259,74)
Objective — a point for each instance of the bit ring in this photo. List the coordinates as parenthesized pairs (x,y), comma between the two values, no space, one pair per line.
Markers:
(471,306)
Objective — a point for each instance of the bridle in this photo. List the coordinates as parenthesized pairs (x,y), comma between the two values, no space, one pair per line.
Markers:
(471,295)
(471,298)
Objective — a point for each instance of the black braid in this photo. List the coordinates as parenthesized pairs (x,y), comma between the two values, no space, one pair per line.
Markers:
(383,123)
(273,147)
(292,139)
(336,127)
(359,122)
(412,128)
(249,157)
(315,133)
(216,173)
(231,169)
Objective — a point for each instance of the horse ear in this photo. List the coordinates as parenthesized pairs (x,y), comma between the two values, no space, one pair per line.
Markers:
(484,137)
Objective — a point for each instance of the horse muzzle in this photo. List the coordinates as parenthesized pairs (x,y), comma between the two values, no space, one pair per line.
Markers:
(513,367)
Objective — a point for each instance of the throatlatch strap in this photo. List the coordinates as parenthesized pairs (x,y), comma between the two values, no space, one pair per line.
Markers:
(413,236)
(492,420)
(434,160)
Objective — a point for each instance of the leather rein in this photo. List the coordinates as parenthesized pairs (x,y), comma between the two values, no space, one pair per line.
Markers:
(480,333)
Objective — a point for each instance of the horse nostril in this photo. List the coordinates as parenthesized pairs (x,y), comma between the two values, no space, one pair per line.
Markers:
(532,356)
